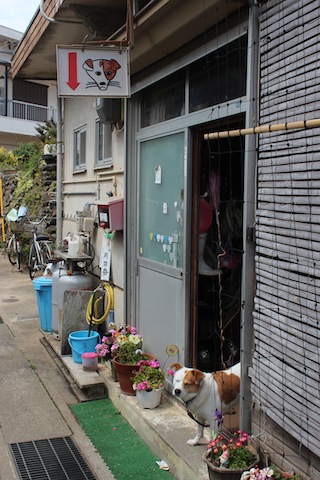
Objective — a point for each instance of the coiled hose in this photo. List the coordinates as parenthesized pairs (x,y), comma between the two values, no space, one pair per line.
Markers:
(97,304)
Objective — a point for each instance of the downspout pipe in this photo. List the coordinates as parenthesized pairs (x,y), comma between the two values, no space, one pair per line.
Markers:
(59,171)
(246,340)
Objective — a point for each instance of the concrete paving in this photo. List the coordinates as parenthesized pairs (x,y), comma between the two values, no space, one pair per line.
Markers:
(34,396)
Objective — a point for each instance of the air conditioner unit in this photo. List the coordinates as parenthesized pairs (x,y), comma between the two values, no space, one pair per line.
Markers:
(109,109)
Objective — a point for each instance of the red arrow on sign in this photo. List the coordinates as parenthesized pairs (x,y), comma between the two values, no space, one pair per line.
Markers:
(72,70)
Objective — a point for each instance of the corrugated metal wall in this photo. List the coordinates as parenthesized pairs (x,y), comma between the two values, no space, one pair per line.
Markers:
(286,360)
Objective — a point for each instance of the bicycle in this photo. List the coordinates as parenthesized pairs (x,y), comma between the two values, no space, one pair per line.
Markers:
(40,251)
(14,244)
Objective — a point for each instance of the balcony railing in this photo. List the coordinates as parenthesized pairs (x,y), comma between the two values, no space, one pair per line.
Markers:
(27,111)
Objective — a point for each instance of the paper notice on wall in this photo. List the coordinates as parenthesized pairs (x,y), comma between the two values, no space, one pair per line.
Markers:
(105,258)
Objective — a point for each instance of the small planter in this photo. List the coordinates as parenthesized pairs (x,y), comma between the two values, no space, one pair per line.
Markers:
(220,473)
(125,373)
(149,399)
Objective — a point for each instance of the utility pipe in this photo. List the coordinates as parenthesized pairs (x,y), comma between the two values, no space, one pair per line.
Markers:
(249,194)
(59,170)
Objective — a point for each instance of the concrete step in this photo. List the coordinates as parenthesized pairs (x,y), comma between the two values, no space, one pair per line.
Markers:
(164,429)
(85,385)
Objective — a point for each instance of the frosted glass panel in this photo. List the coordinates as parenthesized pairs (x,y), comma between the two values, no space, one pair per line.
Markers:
(162,199)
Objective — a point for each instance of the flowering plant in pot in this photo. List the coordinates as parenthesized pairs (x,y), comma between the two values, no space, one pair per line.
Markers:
(127,346)
(126,353)
(148,383)
(123,343)
(229,454)
(149,376)
(268,473)
(231,451)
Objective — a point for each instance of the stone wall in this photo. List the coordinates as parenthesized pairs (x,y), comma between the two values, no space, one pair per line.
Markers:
(48,201)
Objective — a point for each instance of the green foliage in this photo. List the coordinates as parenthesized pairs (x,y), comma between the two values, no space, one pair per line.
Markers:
(27,156)
(47,133)
(29,191)
(7,159)
(129,354)
(278,476)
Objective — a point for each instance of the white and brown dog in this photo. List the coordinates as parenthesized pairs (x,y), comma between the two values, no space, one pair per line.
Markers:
(204,393)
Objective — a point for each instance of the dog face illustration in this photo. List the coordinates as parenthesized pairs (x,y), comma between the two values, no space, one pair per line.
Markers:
(102,72)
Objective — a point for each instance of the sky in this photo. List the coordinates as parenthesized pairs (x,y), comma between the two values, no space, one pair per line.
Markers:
(17,14)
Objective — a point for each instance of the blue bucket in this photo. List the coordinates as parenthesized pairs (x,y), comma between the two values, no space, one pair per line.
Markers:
(80,343)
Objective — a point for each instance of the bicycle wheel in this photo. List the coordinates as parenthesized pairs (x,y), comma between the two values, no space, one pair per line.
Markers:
(11,251)
(33,265)
(46,253)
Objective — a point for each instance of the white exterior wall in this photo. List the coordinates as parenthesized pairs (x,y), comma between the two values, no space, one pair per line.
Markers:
(92,184)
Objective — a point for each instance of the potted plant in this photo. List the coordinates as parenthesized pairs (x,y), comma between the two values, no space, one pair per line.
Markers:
(229,455)
(268,473)
(126,353)
(148,383)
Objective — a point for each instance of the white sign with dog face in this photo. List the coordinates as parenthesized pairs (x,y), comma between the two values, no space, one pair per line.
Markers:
(93,72)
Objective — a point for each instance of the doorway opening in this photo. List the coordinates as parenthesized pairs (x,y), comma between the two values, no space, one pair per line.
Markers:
(217,247)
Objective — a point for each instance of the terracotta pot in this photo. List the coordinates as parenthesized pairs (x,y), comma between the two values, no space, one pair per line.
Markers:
(149,399)
(125,372)
(220,473)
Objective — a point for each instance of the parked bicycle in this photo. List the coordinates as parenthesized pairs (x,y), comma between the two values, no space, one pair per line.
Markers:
(15,221)
(40,251)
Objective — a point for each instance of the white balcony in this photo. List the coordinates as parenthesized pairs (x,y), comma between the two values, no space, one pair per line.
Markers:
(22,117)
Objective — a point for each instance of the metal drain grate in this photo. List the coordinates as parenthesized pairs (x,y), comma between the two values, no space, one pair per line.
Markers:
(53,459)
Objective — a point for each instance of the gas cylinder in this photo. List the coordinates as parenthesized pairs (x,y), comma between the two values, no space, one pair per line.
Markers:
(70,281)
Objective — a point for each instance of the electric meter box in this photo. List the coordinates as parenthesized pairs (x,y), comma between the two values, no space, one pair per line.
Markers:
(111,214)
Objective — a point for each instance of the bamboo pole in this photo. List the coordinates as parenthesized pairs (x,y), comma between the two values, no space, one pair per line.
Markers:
(277,127)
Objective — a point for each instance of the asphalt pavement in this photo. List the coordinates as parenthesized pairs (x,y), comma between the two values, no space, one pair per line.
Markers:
(34,395)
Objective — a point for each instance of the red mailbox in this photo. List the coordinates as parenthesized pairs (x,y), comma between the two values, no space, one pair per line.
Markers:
(111,214)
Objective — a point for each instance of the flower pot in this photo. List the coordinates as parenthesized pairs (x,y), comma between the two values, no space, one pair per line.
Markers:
(149,399)
(125,372)
(220,473)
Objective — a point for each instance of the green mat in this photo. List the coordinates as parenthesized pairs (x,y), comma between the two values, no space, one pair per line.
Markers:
(125,453)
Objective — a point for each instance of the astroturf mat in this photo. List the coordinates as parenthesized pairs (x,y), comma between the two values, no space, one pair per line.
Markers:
(125,453)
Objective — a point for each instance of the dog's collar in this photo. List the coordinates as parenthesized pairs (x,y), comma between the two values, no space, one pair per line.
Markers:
(190,414)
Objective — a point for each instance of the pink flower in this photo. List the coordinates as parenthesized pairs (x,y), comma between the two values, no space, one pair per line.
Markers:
(170,372)
(143,385)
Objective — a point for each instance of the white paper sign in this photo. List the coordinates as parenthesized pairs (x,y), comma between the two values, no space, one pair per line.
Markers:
(105,259)
(93,72)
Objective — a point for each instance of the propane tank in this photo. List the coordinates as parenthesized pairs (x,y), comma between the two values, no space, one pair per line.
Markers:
(71,281)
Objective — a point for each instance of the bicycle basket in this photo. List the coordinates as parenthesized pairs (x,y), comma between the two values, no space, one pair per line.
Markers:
(17,227)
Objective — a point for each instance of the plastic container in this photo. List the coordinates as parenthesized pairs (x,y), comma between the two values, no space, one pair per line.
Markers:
(75,246)
(89,361)
(80,343)
(43,288)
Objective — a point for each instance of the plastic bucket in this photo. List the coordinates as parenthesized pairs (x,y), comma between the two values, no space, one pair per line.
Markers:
(80,343)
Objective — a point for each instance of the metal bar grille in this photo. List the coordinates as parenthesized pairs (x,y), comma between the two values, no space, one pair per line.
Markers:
(52,459)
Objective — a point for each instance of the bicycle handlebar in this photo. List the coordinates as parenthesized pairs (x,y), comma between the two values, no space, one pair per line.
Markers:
(37,223)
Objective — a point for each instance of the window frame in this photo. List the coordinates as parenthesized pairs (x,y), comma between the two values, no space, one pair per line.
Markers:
(79,154)
(106,159)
